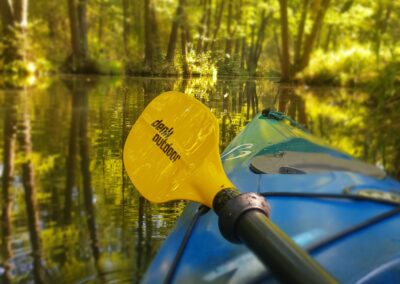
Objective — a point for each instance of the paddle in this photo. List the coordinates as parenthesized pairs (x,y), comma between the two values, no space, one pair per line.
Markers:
(172,153)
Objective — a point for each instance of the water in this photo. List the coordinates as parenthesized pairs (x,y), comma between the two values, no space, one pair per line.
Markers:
(70,213)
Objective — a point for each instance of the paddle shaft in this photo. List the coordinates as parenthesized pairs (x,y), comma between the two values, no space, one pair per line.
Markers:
(243,218)
(287,261)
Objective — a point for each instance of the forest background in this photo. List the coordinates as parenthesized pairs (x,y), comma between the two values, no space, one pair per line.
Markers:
(335,42)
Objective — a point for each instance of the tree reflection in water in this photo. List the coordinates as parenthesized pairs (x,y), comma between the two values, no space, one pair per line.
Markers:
(9,137)
(69,211)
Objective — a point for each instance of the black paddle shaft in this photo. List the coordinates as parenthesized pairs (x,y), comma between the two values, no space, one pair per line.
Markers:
(243,218)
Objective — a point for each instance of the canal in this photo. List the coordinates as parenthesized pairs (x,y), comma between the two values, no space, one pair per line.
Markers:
(70,213)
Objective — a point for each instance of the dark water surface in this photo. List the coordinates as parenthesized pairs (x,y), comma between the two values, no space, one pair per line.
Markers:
(69,213)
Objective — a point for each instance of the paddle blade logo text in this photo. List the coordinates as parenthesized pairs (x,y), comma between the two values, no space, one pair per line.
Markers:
(160,139)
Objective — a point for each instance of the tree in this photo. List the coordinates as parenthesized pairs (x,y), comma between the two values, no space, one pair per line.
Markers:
(14,16)
(229,29)
(126,28)
(285,59)
(204,25)
(184,44)
(217,25)
(174,31)
(78,60)
(310,39)
(381,20)
(257,43)
(304,43)
(152,53)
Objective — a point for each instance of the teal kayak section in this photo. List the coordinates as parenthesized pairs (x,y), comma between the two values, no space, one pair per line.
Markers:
(356,239)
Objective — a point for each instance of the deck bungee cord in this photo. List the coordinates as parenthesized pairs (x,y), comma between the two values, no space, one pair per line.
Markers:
(331,196)
(277,115)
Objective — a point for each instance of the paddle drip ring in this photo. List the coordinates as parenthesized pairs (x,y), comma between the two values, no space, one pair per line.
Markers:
(230,205)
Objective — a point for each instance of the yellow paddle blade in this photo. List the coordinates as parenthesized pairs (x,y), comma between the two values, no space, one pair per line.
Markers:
(172,151)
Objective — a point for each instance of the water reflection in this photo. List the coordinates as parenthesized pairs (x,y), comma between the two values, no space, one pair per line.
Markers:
(29,186)
(70,213)
(10,122)
(292,104)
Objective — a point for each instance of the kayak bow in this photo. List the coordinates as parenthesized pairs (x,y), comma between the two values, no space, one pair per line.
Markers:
(328,203)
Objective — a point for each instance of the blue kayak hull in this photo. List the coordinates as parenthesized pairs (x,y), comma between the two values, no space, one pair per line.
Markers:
(356,240)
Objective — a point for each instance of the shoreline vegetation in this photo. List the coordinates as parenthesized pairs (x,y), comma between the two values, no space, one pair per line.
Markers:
(311,42)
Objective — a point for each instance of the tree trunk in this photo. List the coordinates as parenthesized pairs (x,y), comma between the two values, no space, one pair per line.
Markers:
(14,14)
(138,21)
(7,17)
(236,51)
(184,32)
(238,17)
(74,29)
(148,46)
(243,53)
(256,45)
(78,29)
(229,32)
(208,26)
(52,20)
(328,38)
(202,28)
(125,27)
(83,27)
(174,32)
(251,96)
(285,59)
(218,20)
(152,50)
(251,47)
(310,40)
(278,49)
(382,17)
(21,13)
(300,32)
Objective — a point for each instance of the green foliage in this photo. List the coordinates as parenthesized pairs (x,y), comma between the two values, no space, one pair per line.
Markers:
(110,67)
(30,55)
(356,39)
(385,102)
(344,67)
(229,65)
(199,64)
(387,84)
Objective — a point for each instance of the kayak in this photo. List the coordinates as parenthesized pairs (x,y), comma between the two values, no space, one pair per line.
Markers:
(342,211)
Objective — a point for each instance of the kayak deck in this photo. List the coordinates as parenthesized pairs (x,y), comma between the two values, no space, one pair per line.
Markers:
(348,221)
